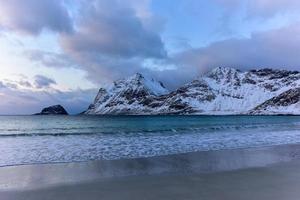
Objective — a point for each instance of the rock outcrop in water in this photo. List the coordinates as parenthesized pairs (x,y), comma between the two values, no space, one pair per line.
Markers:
(222,91)
(53,110)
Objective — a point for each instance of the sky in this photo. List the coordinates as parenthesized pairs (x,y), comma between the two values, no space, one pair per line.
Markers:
(63,51)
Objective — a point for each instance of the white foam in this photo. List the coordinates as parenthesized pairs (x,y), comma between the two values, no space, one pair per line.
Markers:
(49,149)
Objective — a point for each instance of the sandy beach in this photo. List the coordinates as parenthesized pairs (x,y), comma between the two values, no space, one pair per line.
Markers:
(255,173)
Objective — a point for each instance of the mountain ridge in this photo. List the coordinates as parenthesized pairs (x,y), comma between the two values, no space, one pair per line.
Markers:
(222,91)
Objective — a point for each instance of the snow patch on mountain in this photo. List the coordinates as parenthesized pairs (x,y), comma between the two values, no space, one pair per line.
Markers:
(287,103)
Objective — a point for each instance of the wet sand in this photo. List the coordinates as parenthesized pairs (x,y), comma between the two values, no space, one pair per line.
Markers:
(258,173)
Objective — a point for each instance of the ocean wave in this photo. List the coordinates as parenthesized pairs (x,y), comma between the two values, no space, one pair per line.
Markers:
(90,131)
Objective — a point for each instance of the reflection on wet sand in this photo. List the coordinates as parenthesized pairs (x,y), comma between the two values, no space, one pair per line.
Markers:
(35,176)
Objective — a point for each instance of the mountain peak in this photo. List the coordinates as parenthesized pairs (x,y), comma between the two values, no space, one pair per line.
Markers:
(136,76)
(153,86)
(224,74)
(223,70)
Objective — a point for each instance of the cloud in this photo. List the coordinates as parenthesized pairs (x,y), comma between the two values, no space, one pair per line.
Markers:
(112,39)
(33,16)
(28,101)
(267,8)
(262,8)
(11,85)
(16,83)
(275,48)
(112,28)
(75,101)
(22,97)
(8,84)
(25,83)
(2,85)
(43,81)
(50,59)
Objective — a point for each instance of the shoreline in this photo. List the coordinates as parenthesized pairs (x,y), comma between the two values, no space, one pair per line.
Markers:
(30,177)
(255,148)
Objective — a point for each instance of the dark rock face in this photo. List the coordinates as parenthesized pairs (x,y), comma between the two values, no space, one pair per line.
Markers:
(274,74)
(53,110)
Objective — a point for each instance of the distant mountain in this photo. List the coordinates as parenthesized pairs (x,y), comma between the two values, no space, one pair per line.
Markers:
(222,91)
(53,110)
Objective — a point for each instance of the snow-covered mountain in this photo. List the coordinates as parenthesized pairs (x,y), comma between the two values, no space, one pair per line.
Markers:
(127,96)
(222,91)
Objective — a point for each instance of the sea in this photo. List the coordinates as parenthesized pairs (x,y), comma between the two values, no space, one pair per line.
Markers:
(64,139)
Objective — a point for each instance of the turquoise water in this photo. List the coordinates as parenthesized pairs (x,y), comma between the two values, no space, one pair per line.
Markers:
(49,139)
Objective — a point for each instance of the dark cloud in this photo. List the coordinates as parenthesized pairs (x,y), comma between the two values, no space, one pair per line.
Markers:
(33,16)
(111,40)
(112,28)
(43,81)
(275,48)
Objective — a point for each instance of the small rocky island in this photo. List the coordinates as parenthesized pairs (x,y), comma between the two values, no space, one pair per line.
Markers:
(53,110)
